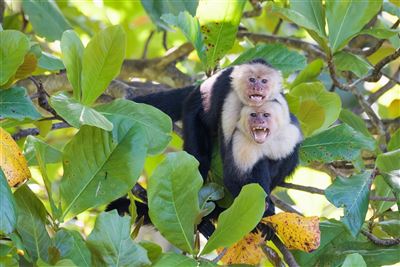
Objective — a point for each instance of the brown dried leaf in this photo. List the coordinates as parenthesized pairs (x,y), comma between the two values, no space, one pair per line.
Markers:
(12,162)
(245,251)
(295,231)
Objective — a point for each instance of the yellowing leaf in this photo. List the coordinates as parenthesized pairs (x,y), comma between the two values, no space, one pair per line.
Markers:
(296,232)
(245,251)
(23,71)
(12,162)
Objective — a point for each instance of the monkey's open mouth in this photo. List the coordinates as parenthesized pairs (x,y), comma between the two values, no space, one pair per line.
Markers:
(256,97)
(260,134)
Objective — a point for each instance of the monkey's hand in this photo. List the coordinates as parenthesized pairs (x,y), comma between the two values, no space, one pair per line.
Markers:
(266,231)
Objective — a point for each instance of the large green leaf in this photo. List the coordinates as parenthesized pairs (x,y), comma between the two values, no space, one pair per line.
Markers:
(16,104)
(102,60)
(313,11)
(339,142)
(191,29)
(389,161)
(46,18)
(156,9)
(110,242)
(394,142)
(347,18)
(8,215)
(72,246)
(219,24)
(14,46)
(72,51)
(31,223)
(157,125)
(345,61)
(239,219)
(154,251)
(101,166)
(77,114)
(352,194)
(173,199)
(354,259)
(315,107)
(381,189)
(277,55)
(172,259)
(309,73)
(381,33)
(354,121)
(51,154)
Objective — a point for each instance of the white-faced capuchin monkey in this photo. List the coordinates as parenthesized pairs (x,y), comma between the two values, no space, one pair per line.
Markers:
(259,146)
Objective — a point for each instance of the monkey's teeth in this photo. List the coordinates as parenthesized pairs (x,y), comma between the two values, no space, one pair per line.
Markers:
(256,97)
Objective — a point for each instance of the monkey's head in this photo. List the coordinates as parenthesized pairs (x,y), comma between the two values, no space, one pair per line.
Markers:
(256,82)
(260,123)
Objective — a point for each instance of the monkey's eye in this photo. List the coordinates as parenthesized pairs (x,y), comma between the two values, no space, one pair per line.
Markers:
(264,80)
(252,80)
(266,115)
(253,115)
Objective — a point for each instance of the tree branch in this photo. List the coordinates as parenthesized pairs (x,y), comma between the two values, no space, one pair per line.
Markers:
(283,205)
(272,255)
(146,45)
(256,11)
(287,255)
(290,42)
(34,131)
(380,242)
(220,255)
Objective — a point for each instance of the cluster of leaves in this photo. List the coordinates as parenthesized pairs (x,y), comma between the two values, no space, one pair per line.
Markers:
(116,141)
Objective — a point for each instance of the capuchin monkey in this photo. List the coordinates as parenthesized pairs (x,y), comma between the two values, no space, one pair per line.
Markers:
(260,145)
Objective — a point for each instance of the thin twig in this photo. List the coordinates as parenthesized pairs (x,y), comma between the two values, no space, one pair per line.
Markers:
(277,27)
(146,44)
(272,255)
(376,73)
(373,97)
(283,205)
(380,242)
(164,40)
(287,255)
(256,11)
(34,131)
(220,255)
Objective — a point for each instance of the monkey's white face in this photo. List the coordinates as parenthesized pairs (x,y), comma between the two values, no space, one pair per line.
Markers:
(259,123)
(255,83)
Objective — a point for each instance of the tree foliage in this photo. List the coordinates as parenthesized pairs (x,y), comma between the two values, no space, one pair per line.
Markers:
(66,67)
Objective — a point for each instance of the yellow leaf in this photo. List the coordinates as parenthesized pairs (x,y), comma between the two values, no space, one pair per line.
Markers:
(23,71)
(245,251)
(12,162)
(295,231)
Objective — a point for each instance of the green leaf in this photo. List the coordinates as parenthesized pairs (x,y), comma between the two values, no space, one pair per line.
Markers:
(50,62)
(172,259)
(309,73)
(380,33)
(394,142)
(173,199)
(314,12)
(31,223)
(72,50)
(156,124)
(345,61)
(14,46)
(8,215)
(392,227)
(191,29)
(352,194)
(382,189)
(64,263)
(110,241)
(154,251)
(391,9)
(102,60)
(339,142)
(51,154)
(77,114)
(354,122)
(275,54)
(219,22)
(46,18)
(72,246)
(239,219)
(101,166)
(156,9)
(354,259)
(389,161)
(209,193)
(353,16)
(16,104)
(315,107)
